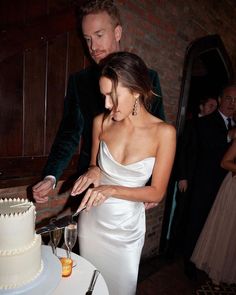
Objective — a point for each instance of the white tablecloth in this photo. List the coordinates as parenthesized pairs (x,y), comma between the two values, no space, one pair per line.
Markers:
(50,281)
(78,282)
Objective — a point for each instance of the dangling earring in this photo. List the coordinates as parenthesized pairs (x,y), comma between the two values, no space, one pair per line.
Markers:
(135,107)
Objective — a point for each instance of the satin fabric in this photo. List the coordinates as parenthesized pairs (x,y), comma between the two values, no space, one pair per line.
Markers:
(111,236)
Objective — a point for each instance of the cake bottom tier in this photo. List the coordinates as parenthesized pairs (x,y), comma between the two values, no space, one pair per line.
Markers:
(21,268)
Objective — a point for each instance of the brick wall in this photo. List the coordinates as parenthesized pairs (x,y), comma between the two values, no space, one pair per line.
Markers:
(160,31)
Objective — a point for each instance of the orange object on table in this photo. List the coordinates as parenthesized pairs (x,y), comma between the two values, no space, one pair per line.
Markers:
(67,264)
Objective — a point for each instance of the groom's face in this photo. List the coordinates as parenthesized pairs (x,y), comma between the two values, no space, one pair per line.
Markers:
(101,35)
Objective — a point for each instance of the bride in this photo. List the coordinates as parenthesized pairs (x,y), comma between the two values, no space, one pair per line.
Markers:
(129,146)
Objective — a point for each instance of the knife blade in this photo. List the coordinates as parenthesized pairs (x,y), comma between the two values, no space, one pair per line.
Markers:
(93,282)
(45,229)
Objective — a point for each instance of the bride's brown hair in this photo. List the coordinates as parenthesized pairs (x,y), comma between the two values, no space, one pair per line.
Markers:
(130,70)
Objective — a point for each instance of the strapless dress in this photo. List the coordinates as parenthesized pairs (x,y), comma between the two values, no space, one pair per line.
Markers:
(111,236)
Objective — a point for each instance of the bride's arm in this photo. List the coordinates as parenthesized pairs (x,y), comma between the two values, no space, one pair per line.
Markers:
(228,161)
(92,176)
(160,176)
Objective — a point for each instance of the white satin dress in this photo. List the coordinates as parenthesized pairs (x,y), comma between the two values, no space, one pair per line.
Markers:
(111,236)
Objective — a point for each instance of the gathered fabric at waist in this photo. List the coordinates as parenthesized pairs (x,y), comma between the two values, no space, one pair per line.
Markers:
(116,219)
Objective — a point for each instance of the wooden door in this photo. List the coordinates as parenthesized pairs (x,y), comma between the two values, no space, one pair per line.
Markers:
(39,50)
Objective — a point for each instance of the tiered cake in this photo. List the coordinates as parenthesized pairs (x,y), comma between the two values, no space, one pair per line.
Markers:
(20,246)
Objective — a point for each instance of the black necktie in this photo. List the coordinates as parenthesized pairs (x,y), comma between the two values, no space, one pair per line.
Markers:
(229,123)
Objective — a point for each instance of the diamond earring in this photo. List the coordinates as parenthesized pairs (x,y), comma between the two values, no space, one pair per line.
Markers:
(135,107)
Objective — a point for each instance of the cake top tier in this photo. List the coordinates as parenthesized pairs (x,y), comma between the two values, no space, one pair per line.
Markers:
(14,207)
(17,225)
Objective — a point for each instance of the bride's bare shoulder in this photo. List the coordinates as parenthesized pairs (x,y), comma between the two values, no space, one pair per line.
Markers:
(161,125)
(102,121)
(165,128)
(102,118)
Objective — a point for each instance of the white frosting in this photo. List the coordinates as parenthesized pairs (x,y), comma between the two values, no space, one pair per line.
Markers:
(17,224)
(20,247)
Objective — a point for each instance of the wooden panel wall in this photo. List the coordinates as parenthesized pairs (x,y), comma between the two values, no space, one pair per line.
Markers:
(39,50)
(11,86)
(34,101)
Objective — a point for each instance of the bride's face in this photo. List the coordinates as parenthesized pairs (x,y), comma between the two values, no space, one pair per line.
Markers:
(123,107)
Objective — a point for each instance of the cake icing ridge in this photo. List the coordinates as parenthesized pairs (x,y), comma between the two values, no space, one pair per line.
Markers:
(19,251)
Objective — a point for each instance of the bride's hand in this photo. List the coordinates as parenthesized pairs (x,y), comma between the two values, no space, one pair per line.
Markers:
(92,176)
(232,133)
(96,196)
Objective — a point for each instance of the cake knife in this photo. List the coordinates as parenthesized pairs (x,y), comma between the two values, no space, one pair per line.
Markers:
(60,222)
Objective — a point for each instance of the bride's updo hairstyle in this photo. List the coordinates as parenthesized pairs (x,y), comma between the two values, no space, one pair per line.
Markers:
(130,70)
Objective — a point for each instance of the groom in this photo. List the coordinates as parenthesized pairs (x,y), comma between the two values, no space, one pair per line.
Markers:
(102,31)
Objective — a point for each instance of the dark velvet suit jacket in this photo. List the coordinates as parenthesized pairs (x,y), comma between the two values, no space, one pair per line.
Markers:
(82,103)
(211,145)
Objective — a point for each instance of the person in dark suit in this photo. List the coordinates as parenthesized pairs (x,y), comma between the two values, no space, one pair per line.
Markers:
(184,170)
(213,137)
(102,31)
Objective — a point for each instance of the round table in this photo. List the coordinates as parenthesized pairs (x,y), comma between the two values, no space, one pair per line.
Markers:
(79,281)
(51,282)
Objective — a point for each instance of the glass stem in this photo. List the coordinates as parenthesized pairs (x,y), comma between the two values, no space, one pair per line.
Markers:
(69,252)
(53,248)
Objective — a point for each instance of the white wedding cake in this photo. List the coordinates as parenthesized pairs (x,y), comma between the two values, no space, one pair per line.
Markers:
(20,246)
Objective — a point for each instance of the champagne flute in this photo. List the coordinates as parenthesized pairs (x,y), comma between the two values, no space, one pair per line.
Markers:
(55,237)
(70,236)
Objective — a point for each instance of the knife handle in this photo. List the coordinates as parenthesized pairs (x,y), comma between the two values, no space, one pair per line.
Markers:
(94,279)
